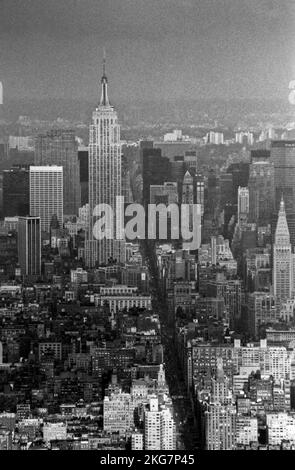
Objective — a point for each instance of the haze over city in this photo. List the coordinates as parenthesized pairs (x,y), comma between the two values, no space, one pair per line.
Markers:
(156,49)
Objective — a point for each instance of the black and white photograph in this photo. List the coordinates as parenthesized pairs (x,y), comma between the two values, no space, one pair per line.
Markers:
(147,229)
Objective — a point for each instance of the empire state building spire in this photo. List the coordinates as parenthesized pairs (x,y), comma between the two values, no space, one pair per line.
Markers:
(104,100)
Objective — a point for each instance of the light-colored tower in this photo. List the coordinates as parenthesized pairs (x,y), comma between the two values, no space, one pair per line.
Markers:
(159,428)
(104,179)
(220,424)
(282,259)
(188,189)
(46,194)
(243,204)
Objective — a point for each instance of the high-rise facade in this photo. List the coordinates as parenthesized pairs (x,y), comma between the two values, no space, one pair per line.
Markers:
(29,245)
(46,194)
(261,192)
(118,412)
(59,147)
(282,259)
(16,192)
(226,189)
(283,158)
(159,428)
(220,424)
(104,181)
(84,175)
(155,170)
(188,200)
(243,204)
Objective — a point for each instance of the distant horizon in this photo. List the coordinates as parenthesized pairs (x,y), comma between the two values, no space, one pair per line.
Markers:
(160,49)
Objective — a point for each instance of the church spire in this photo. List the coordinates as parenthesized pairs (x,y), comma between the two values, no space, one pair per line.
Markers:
(104,100)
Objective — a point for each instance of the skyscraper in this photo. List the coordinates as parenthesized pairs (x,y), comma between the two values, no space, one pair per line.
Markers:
(59,147)
(261,192)
(199,183)
(220,423)
(29,245)
(159,427)
(104,179)
(282,259)
(155,170)
(188,199)
(84,175)
(16,192)
(243,204)
(283,157)
(46,194)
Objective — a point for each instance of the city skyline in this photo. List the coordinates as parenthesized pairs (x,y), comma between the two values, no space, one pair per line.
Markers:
(147,251)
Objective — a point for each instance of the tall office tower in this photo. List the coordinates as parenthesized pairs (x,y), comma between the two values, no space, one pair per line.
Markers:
(177,171)
(199,185)
(211,194)
(104,180)
(282,259)
(83,158)
(46,194)
(226,189)
(16,195)
(282,155)
(159,428)
(240,176)
(155,170)
(187,189)
(59,147)
(261,192)
(211,207)
(187,199)
(243,204)
(220,426)
(29,245)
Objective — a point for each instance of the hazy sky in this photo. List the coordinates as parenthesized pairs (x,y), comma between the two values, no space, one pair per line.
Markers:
(155,48)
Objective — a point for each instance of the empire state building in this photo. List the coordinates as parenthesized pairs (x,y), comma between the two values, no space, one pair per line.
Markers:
(104,180)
